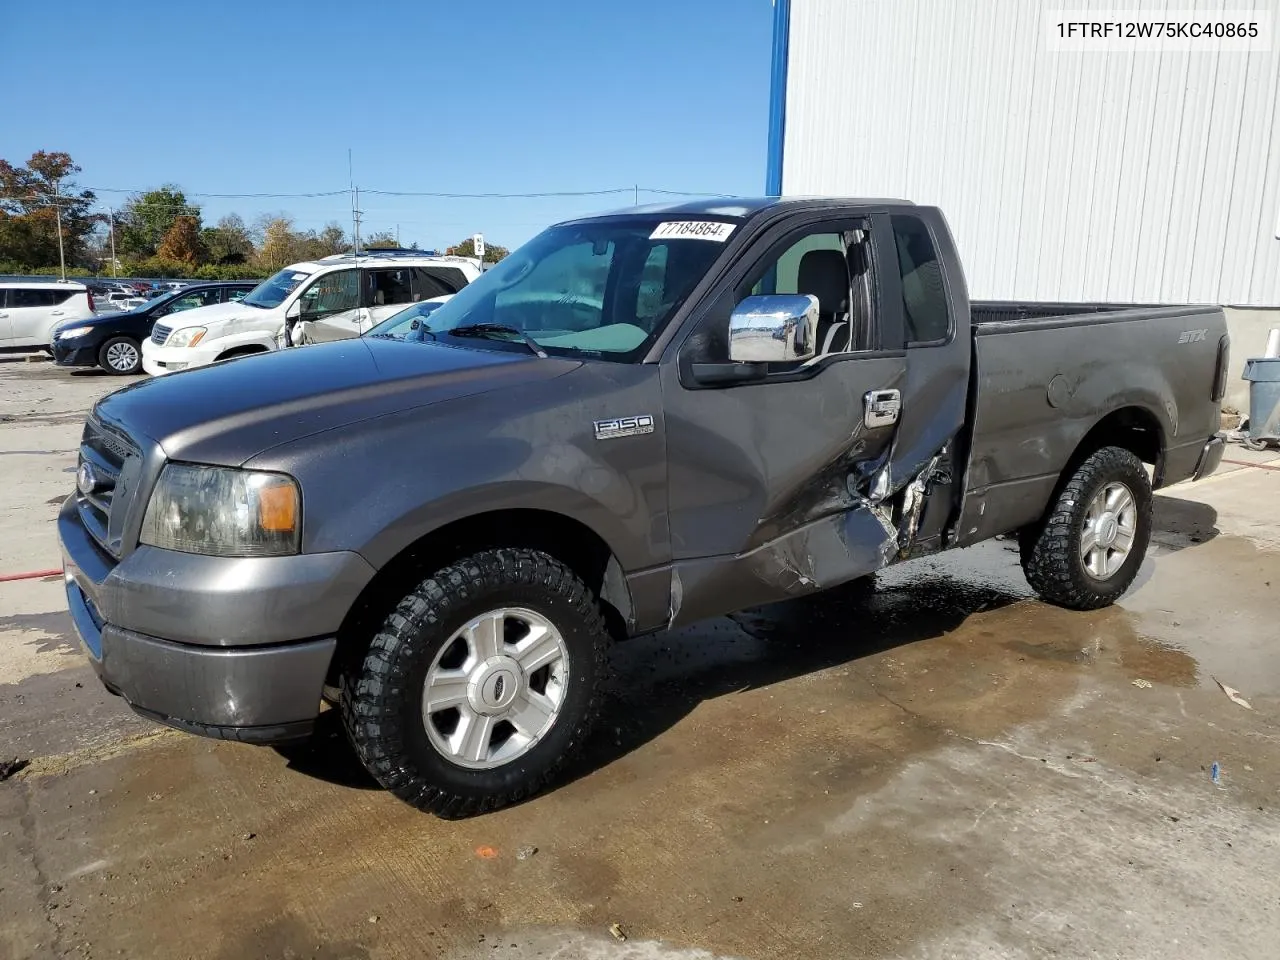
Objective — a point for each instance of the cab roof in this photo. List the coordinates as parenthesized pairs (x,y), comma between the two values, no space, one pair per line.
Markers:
(743,207)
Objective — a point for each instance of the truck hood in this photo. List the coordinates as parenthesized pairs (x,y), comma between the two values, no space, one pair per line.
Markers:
(229,412)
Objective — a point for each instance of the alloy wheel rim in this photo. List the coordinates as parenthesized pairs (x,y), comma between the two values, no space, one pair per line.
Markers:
(1110,529)
(122,356)
(495,688)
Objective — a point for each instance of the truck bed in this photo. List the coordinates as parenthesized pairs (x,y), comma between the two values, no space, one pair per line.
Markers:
(1008,311)
(1046,374)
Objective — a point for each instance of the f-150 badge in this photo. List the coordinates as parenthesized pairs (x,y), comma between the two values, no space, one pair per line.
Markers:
(624,427)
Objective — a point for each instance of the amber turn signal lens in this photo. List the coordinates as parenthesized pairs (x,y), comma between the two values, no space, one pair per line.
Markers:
(278,507)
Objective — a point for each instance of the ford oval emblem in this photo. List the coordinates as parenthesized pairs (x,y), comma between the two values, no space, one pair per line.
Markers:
(86,478)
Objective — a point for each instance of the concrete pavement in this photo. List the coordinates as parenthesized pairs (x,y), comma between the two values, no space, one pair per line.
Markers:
(943,768)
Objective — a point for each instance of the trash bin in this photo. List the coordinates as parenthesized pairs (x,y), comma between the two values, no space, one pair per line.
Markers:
(1263,374)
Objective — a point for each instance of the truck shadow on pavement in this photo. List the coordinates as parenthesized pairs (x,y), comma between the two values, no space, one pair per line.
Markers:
(660,679)
(1177,524)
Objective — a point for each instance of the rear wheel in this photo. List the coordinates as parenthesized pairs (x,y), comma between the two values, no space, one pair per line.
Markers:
(120,355)
(1086,551)
(480,686)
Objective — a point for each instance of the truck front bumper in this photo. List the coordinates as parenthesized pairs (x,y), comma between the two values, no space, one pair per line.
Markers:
(212,658)
(157,360)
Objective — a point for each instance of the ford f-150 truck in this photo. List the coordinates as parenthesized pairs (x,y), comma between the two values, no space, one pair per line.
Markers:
(635,421)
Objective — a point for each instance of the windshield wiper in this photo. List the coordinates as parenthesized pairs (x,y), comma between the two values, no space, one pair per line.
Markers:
(495,331)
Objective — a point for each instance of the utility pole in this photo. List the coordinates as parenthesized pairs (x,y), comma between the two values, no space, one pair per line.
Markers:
(57,204)
(355,205)
(355,217)
(637,194)
(111,223)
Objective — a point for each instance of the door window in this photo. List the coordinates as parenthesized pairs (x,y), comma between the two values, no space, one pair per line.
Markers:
(834,267)
(429,283)
(388,287)
(332,293)
(22,297)
(924,295)
(230,295)
(190,301)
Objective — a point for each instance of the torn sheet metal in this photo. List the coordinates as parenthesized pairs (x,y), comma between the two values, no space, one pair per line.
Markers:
(827,552)
(677,596)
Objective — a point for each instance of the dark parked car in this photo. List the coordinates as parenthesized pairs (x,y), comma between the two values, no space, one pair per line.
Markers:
(113,341)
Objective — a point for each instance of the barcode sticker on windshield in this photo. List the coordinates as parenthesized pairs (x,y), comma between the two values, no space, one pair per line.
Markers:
(693,230)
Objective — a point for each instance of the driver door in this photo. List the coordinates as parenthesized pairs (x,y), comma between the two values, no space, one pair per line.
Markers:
(330,308)
(772,483)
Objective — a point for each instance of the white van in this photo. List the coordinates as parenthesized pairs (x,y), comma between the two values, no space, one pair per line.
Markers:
(336,298)
(31,311)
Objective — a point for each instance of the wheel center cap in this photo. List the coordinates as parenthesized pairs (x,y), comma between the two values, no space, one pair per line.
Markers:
(1107,529)
(494,685)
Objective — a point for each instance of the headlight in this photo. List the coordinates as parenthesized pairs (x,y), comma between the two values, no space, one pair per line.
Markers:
(73,332)
(221,512)
(186,337)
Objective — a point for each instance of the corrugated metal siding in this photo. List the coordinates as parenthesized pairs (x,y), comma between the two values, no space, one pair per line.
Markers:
(1150,177)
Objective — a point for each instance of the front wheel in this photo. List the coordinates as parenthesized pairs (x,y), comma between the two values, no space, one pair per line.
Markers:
(120,355)
(480,686)
(1087,550)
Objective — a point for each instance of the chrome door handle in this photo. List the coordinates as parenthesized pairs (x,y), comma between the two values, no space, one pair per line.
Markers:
(881,408)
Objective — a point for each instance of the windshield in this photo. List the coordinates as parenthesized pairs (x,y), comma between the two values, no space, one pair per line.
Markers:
(401,326)
(602,288)
(162,298)
(272,291)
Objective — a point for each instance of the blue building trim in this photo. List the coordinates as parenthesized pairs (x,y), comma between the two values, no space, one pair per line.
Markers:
(778,97)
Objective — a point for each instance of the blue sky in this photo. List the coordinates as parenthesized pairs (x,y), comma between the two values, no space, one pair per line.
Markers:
(224,96)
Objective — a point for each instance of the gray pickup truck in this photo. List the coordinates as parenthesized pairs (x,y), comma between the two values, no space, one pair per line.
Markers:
(634,422)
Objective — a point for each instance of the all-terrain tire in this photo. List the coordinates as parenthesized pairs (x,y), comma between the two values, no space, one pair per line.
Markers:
(1050,549)
(382,702)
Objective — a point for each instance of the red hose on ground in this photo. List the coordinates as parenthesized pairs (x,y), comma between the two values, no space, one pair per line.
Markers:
(33,575)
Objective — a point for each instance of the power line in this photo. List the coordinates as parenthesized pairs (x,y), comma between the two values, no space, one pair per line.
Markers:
(231,196)
(501,196)
(430,194)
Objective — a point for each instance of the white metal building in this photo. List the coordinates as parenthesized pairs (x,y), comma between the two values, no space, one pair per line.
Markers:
(1149,176)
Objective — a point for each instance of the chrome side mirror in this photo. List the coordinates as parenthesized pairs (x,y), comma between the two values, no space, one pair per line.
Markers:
(774,329)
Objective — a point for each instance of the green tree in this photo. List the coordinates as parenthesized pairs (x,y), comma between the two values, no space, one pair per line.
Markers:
(229,242)
(467,248)
(30,198)
(146,218)
(381,240)
(313,246)
(182,242)
(333,239)
(279,243)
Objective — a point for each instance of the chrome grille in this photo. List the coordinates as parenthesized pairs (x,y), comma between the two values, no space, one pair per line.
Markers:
(160,333)
(104,455)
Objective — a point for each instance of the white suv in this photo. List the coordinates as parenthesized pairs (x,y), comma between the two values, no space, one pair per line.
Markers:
(29,312)
(336,298)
